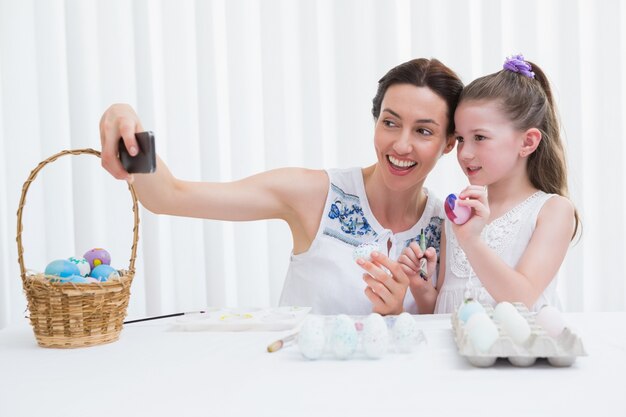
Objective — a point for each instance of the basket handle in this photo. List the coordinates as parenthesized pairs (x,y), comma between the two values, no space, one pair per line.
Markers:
(31,178)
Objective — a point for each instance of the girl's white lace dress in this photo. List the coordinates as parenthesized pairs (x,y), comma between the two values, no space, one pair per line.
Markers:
(508,236)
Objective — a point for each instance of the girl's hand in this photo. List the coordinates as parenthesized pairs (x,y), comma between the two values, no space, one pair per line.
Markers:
(475,197)
(386,291)
(118,121)
(410,260)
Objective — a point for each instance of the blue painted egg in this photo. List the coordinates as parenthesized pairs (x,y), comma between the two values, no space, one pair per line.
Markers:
(59,279)
(104,273)
(469,308)
(61,268)
(77,279)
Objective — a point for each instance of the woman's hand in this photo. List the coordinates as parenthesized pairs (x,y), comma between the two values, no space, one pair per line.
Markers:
(410,261)
(118,121)
(474,197)
(386,290)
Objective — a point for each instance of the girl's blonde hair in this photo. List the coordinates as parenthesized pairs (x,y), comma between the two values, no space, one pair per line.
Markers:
(528,103)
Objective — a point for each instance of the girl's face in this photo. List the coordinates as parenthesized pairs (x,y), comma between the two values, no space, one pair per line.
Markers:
(488,146)
(410,135)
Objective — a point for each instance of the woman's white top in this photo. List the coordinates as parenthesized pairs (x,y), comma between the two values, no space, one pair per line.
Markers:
(508,236)
(326,277)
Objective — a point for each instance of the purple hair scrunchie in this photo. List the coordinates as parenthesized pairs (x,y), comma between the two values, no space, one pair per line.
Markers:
(516,63)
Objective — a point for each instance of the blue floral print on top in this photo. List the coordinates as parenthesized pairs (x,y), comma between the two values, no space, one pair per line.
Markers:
(351,218)
(351,224)
(433,234)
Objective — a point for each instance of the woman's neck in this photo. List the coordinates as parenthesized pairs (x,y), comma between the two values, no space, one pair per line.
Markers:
(394,210)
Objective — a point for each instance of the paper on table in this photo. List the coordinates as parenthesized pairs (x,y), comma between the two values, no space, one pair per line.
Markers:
(241,319)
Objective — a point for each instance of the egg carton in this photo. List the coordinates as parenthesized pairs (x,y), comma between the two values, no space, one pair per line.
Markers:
(559,351)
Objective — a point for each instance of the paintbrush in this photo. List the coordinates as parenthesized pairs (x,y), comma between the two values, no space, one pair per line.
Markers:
(164,317)
(423,261)
(280,343)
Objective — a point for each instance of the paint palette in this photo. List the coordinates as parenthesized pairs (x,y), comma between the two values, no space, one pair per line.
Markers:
(237,319)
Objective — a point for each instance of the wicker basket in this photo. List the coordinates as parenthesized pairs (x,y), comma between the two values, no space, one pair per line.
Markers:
(68,315)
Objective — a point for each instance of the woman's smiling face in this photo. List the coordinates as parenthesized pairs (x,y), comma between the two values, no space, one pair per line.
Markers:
(410,135)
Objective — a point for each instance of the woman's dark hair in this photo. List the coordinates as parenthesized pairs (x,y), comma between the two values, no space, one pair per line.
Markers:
(423,72)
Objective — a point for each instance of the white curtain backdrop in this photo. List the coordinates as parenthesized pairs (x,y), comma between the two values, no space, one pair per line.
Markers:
(234,87)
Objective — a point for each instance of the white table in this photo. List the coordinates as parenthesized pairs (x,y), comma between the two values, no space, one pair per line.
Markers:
(152,371)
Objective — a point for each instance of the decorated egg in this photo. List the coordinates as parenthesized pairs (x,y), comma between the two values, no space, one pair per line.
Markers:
(481,331)
(469,308)
(77,279)
(375,337)
(60,279)
(97,256)
(104,273)
(82,264)
(551,320)
(364,250)
(61,270)
(343,337)
(404,333)
(312,338)
(504,309)
(456,213)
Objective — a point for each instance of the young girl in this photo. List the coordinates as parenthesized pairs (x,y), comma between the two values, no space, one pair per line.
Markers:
(510,148)
(330,212)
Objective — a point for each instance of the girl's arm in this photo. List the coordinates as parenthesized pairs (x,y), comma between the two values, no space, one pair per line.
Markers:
(539,263)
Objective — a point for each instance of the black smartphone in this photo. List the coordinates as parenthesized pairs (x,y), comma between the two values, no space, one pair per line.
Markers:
(145,160)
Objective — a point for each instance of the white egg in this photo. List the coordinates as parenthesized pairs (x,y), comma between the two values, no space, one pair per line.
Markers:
(375,336)
(479,318)
(551,320)
(517,327)
(343,337)
(503,310)
(481,331)
(312,337)
(404,332)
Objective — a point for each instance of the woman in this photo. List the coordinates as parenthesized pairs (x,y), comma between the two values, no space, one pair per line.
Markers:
(331,212)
